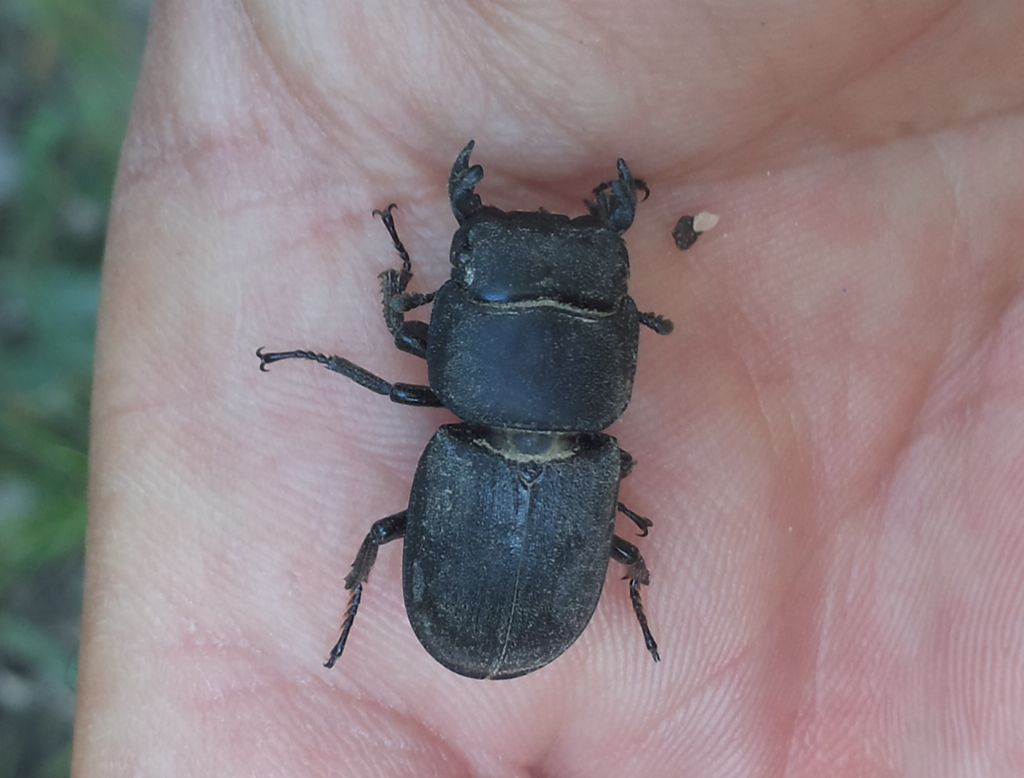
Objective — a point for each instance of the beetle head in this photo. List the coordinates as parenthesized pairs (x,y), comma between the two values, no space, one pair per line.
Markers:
(541,257)
(614,204)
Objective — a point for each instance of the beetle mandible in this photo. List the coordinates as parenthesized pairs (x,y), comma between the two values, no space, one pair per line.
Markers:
(532,343)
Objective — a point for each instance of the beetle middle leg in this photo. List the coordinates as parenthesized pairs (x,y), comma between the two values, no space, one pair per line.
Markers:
(627,554)
(410,336)
(642,522)
(383,531)
(403,394)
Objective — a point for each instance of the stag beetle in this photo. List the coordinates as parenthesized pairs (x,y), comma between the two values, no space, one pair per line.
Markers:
(532,343)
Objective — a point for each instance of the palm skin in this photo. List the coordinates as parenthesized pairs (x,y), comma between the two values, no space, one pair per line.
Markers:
(831,444)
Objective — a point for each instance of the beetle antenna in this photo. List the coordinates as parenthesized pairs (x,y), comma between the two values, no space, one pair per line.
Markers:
(461,184)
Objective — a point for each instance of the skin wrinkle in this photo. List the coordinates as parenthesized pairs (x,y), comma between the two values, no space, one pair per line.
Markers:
(334,128)
(360,698)
(752,379)
(369,705)
(810,553)
(890,507)
(801,159)
(196,150)
(812,99)
(966,402)
(282,75)
(833,602)
(315,109)
(718,707)
(927,26)
(909,130)
(288,78)
(793,627)
(960,698)
(809,706)
(954,361)
(338,128)
(959,231)
(714,676)
(518,36)
(840,81)
(793,158)
(413,722)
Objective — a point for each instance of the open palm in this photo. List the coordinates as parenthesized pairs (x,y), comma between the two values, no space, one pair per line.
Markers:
(831,444)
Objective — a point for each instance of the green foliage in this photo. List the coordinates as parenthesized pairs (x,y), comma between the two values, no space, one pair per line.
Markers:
(67,73)
(43,417)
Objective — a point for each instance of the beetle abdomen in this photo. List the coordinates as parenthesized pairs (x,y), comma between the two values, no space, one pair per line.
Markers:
(501,580)
(535,366)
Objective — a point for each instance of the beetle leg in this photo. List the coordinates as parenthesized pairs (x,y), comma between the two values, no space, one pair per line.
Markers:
(383,531)
(403,394)
(656,322)
(628,554)
(626,463)
(410,337)
(389,223)
(642,522)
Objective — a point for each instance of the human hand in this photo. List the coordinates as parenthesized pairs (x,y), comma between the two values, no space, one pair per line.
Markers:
(829,444)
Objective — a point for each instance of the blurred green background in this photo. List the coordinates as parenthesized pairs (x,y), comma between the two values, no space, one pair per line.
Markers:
(67,73)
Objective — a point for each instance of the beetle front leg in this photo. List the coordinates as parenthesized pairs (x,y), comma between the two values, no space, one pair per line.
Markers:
(383,531)
(403,394)
(410,336)
(627,554)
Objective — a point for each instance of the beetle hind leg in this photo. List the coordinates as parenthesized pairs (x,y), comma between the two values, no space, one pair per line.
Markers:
(383,531)
(638,574)
(410,336)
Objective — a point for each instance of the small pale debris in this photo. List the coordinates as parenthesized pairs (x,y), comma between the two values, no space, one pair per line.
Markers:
(704,221)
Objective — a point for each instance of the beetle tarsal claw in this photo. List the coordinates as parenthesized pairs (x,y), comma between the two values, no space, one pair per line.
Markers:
(384,213)
(263,359)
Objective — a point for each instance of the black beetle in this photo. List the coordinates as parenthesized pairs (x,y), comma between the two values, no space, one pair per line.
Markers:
(532,343)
